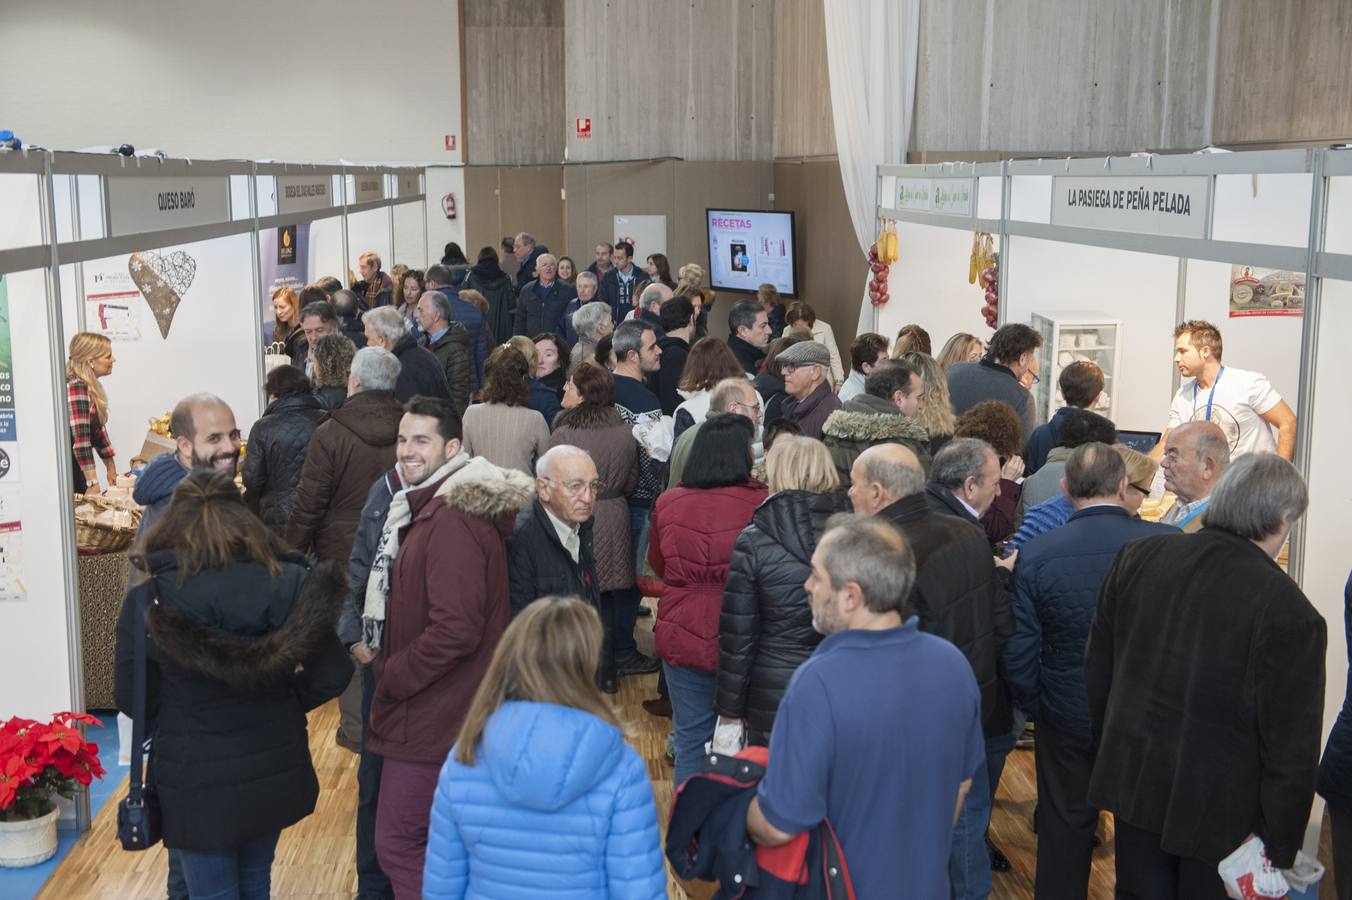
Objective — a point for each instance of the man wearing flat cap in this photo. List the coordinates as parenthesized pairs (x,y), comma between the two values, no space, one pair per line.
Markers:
(806,370)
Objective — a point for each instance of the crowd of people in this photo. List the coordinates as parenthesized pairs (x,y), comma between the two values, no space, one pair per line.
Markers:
(868,581)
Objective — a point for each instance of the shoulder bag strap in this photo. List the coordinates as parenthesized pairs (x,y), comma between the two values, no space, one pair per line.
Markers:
(138,702)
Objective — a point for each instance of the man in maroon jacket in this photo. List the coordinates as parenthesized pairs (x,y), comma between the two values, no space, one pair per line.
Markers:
(436,605)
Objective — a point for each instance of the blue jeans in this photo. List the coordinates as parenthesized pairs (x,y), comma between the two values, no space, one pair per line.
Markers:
(242,872)
(692,712)
(969,868)
(372,883)
(177,886)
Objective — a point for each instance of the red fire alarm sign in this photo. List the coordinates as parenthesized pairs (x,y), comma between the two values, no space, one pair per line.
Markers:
(583,129)
(450,142)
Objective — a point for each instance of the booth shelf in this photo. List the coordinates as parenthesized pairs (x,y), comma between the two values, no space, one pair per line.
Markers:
(1066,337)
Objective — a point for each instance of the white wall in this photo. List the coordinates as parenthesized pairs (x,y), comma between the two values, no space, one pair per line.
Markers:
(251,79)
(34,667)
(441,181)
(1139,289)
(928,286)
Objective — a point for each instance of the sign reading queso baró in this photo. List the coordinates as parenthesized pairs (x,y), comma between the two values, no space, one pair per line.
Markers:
(1175,205)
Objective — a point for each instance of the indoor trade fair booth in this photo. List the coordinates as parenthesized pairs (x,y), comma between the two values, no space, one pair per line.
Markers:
(1105,256)
(175,261)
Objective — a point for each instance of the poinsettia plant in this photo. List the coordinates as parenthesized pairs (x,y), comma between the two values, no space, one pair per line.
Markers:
(38,760)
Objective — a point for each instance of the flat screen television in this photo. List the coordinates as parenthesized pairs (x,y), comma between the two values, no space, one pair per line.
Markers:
(748,248)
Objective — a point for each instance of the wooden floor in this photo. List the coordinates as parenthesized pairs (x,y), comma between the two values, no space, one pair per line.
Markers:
(315,857)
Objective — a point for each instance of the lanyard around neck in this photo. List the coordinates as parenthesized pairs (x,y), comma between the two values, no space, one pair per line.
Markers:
(1209,397)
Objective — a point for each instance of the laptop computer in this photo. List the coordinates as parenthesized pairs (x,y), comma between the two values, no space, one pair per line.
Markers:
(1140,441)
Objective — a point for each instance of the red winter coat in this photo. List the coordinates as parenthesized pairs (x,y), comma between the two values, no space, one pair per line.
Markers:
(448,606)
(690,548)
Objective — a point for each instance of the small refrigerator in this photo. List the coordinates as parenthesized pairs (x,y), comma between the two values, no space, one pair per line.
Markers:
(1069,337)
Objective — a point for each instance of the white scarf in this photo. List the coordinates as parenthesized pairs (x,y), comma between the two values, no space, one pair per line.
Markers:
(378,584)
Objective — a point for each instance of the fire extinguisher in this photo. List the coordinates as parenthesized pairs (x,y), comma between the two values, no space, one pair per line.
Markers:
(448,205)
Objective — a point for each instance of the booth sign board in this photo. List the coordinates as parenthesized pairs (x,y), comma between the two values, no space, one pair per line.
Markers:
(410,185)
(155,204)
(369,188)
(298,193)
(1174,205)
(947,196)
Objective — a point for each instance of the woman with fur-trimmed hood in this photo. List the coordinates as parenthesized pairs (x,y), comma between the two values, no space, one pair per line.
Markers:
(241,645)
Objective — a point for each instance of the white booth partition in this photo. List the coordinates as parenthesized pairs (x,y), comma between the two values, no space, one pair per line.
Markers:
(1258,243)
(169,259)
(937,209)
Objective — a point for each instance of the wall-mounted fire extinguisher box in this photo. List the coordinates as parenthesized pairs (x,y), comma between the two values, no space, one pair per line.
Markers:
(448,205)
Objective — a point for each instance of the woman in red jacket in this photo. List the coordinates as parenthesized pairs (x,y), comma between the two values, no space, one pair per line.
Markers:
(694,527)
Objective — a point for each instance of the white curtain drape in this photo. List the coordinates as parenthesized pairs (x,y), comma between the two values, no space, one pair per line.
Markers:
(872,51)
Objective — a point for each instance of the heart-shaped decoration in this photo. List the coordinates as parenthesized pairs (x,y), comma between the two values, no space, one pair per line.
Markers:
(162,280)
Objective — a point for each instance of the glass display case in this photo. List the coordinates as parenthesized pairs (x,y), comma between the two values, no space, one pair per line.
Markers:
(1069,337)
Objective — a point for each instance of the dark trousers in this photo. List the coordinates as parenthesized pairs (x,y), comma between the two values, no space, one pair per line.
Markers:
(1146,872)
(1065,821)
(1341,822)
(406,790)
(372,883)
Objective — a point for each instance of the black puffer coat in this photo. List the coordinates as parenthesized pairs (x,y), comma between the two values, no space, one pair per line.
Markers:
(765,631)
(234,660)
(277,445)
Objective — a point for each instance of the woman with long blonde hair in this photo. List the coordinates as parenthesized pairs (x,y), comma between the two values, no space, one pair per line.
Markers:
(541,788)
(936,408)
(765,631)
(961,347)
(90,359)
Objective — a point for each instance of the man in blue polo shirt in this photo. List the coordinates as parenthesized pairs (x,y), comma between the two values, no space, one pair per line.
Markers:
(880,730)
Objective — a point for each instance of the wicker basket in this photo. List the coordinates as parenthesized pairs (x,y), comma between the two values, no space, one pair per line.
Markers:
(105,538)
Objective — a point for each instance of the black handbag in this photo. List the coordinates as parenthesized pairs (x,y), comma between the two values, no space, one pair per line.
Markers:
(138,815)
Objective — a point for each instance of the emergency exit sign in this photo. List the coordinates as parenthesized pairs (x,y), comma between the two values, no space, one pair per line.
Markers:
(584,128)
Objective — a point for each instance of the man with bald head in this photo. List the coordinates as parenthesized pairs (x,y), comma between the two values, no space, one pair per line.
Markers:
(731,395)
(959,595)
(1196,454)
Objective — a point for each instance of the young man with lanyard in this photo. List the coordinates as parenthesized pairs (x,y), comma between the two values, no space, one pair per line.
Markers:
(1242,403)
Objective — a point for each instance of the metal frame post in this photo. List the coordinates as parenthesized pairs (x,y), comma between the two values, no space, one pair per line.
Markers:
(1002,270)
(65,487)
(260,363)
(1309,351)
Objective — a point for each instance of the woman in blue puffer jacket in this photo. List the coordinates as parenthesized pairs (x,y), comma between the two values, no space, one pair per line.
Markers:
(541,796)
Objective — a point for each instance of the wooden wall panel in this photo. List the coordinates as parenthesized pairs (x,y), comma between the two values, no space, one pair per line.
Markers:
(832,271)
(1061,76)
(659,78)
(514,52)
(803,124)
(502,201)
(1284,71)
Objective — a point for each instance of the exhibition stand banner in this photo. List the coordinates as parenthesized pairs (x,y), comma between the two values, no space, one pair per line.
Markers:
(1170,204)
(299,193)
(11,528)
(139,204)
(283,262)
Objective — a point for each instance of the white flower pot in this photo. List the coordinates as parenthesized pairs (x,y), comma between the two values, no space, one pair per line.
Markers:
(29,842)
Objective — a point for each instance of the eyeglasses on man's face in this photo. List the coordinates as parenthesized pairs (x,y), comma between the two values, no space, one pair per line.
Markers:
(577,487)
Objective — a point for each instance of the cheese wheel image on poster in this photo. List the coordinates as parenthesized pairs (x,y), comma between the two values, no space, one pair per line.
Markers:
(162,280)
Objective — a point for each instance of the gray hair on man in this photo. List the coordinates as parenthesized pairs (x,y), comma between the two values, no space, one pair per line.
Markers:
(585,276)
(386,322)
(589,317)
(375,368)
(544,466)
(628,338)
(652,297)
(1259,496)
(546,259)
(889,466)
(728,392)
(440,303)
(873,554)
(526,239)
(960,459)
(1094,470)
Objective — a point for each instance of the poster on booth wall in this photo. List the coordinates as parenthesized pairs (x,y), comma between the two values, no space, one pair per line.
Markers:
(8,423)
(283,261)
(113,304)
(1266,292)
(11,534)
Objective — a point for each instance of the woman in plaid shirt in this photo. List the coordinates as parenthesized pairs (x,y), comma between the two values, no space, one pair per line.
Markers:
(90,358)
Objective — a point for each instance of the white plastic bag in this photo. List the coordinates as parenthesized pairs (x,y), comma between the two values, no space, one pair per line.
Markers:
(728,739)
(1249,875)
(657,435)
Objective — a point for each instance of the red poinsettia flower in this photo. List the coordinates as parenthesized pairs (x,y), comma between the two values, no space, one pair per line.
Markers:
(60,736)
(70,718)
(14,774)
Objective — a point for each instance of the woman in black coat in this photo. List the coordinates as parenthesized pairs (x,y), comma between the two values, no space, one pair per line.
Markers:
(277,445)
(1335,772)
(487,277)
(240,646)
(765,631)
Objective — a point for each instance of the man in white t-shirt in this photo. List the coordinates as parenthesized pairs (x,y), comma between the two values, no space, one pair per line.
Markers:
(1242,403)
